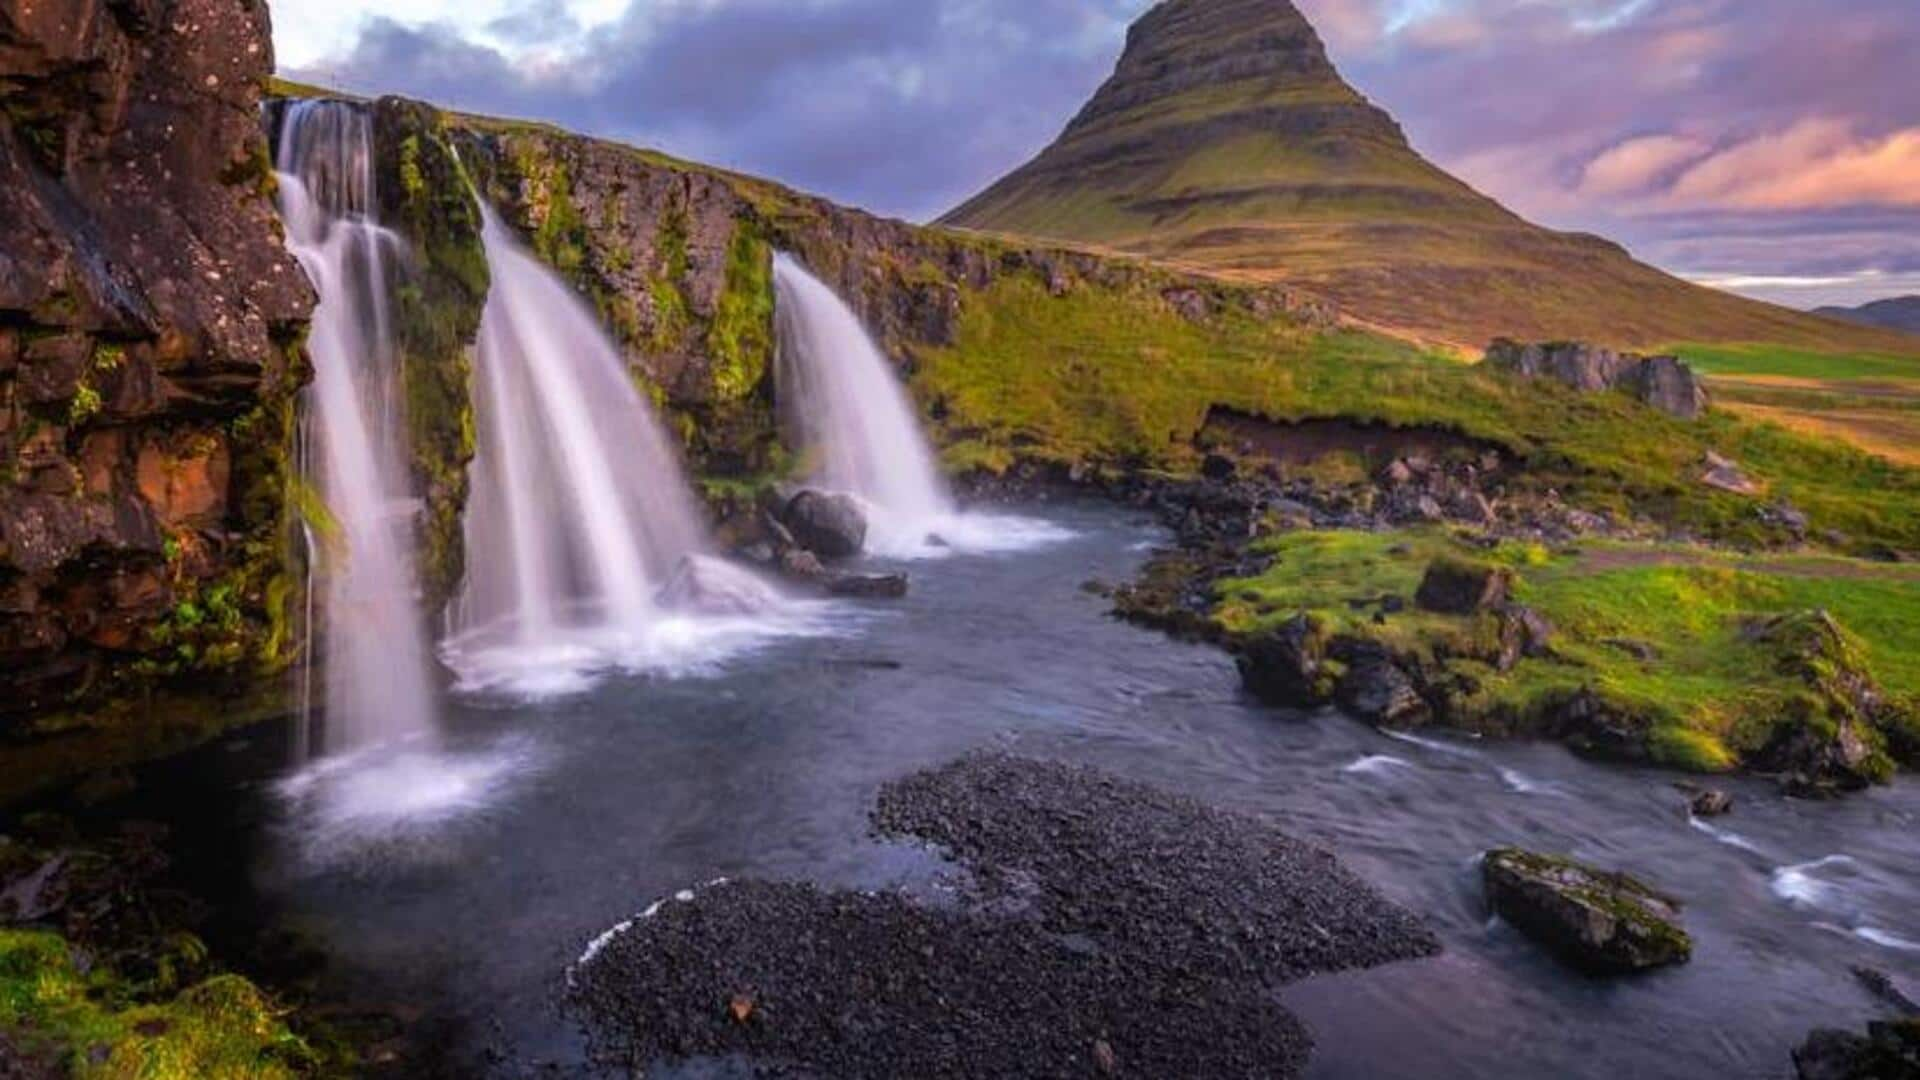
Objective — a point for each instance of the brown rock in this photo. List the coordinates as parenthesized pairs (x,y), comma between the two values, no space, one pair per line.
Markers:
(1456,587)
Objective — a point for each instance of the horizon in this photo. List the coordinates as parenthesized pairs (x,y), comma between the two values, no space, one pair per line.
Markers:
(907,115)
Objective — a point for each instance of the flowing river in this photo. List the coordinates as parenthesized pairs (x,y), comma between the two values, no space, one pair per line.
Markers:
(538,826)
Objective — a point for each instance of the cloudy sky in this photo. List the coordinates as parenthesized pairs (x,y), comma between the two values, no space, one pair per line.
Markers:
(1770,146)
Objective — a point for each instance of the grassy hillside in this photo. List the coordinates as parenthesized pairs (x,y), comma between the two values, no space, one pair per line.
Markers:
(1227,142)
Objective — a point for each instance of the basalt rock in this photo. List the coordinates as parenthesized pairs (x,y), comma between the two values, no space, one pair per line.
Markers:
(1376,688)
(1890,1050)
(1456,587)
(149,328)
(1287,665)
(1600,922)
(868,586)
(1831,743)
(831,526)
(1663,382)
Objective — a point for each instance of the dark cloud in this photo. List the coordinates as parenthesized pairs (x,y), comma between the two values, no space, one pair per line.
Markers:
(903,108)
(1641,119)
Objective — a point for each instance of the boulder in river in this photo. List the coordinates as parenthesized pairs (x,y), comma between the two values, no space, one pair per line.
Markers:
(868,586)
(1287,664)
(1711,803)
(1455,586)
(832,526)
(1600,922)
(1889,1050)
(1377,689)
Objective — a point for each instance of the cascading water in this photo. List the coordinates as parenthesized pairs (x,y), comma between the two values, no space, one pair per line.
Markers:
(378,686)
(856,423)
(585,548)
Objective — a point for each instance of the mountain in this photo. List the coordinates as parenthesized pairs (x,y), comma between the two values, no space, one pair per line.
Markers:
(1227,141)
(1897,313)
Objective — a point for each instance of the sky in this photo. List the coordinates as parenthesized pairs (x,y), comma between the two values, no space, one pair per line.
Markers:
(1771,147)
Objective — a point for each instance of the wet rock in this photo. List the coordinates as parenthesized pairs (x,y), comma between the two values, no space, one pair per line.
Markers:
(1377,689)
(1724,474)
(1711,803)
(1889,1051)
(1457,587)
(1286,666)
(832,526)
(1600,922)
(799,564)
(1890,990)
(1661,382)
(868,586)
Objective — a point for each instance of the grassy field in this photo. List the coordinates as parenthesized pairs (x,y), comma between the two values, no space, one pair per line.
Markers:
(1665,632)
(1869,400)
(1094,378)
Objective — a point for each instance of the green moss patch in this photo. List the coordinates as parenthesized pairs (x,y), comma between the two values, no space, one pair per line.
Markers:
(97,1024)
(1667,635)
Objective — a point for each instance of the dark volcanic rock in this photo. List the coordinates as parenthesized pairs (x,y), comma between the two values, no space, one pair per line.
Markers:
(1889,1051)
(1662,382)
(1599,922)
(1287,665)
(868,586)
(1455,587)
(1149,874)
(1711,803)
(830,526)
(1377,689)
(872,985)
(149,319)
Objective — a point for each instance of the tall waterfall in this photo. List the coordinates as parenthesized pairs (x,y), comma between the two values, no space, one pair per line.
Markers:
(857,425)
(585,548)
(379,686)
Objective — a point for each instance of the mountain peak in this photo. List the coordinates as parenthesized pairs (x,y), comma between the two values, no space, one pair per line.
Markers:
(1227,141)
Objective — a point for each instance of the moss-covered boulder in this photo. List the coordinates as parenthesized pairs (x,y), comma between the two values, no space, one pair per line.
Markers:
(1457,586)
(1826,739)
(1600,922)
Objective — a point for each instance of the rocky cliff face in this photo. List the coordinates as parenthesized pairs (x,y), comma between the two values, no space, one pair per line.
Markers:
(1662,382)
(149,350)
(677,259)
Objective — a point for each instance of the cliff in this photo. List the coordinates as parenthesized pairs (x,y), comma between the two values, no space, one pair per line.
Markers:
(1226,140)
(150,328)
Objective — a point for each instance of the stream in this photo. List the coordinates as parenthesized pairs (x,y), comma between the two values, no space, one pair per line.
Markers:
(460,881)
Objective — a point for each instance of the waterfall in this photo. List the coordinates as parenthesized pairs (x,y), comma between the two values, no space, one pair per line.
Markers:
(856,424)
(378,683)
(585,547)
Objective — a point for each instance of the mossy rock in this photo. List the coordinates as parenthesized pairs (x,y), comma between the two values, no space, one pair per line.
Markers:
(1599,922)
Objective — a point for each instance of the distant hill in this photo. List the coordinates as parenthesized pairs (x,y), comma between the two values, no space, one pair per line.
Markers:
(1898,313)
(1227,141)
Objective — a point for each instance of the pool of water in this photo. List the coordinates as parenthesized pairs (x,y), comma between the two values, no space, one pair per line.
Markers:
(540,825)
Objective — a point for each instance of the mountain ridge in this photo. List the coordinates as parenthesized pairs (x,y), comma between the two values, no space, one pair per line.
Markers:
(1894,313)
(1227,141)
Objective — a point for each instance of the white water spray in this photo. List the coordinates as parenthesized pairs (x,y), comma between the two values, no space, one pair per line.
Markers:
(856,422)
(585,548)
(378,683)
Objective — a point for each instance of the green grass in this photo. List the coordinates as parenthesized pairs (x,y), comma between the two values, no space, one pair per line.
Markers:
(221,1029)
(1120,379)
(1712,694)
(1780,360)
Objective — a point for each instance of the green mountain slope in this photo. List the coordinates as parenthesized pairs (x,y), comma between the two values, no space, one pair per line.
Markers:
(1227,141)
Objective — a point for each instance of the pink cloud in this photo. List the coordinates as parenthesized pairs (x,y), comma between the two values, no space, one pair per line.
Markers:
(1639,164)
(1814,164)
